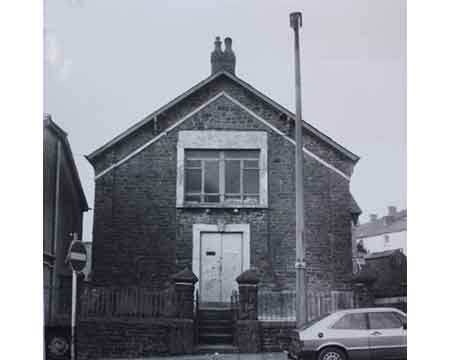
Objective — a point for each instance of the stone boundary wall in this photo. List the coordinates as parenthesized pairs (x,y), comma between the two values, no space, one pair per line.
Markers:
(133,338)
(274,335)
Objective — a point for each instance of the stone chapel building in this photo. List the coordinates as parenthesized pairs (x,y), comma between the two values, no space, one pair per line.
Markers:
(207,182)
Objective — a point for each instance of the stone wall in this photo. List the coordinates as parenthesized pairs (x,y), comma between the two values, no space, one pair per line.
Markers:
(274,335)
(133,338)
(140,237)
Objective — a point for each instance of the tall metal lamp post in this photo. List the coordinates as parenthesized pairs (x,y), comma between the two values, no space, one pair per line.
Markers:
(300,265)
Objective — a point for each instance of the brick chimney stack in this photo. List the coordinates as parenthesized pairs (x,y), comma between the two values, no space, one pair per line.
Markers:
(223,59)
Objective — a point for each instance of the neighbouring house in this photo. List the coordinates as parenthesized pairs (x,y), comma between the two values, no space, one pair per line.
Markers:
(64,204)
(207,184)
(379,234)
(387,272)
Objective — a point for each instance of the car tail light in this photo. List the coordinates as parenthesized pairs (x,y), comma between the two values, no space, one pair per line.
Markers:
(296,344)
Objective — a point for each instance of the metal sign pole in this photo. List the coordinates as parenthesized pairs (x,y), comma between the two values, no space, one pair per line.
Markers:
(74,309)
(300,266)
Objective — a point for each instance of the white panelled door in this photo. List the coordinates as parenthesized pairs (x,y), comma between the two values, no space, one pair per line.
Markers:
(221,262)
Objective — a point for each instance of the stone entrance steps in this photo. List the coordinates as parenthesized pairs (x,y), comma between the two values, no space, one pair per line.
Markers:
(212,349)
(215,331)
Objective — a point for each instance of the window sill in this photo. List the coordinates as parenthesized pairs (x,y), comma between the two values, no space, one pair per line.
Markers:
(221,206)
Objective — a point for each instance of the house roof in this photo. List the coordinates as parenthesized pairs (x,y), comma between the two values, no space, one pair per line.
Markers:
(390,274)
(382,254)
(364,276)
(62,135)
(206,81)
(384,225)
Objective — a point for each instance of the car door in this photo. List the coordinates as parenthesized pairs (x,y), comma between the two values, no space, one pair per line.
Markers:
(387,338)
(351,331)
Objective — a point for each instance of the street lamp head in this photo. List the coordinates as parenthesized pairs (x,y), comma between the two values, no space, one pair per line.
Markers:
(296,20)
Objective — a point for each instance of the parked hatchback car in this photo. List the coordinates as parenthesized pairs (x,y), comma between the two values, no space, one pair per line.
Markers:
(354,334)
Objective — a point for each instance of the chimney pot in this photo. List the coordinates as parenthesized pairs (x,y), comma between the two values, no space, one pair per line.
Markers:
(228,43)
(218,44)
(392,210)
(223,60)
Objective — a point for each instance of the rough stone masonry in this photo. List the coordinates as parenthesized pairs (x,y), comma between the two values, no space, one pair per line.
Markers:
(141,237)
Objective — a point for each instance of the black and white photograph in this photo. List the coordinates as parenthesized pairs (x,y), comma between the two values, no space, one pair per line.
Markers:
(186,213)
(224,180)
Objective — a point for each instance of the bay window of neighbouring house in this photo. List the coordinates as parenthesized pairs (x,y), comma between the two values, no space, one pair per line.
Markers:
(222,176)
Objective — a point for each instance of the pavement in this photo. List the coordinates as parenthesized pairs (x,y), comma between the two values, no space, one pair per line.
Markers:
(236,356)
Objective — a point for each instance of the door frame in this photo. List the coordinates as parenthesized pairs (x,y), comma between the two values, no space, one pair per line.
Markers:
(198,229)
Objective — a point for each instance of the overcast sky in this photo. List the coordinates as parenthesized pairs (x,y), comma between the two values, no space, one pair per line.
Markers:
(109,63)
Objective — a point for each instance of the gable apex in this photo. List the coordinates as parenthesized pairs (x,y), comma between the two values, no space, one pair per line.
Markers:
(201,107)
(91,157)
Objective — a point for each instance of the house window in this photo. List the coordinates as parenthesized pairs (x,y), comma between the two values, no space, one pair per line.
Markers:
(222,176)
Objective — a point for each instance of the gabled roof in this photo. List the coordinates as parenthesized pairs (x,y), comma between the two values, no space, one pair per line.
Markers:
(384,225)
(221,94)
(62,136)
(206,81)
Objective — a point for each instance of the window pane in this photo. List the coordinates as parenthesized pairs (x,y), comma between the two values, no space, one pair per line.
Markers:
(211,177)
(202,154)
(401,317)
(251,181)
(193,198)
(233,177)
(193,180)
(351,322)
(242,154)
(384,320)
(212,198)
(251,164)
(232,197)
(193,163)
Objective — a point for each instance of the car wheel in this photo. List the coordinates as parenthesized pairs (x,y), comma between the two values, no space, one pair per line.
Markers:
(332,353)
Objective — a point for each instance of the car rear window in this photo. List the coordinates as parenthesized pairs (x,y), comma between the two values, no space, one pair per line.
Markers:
(355,321)
(384,320)
(312,322)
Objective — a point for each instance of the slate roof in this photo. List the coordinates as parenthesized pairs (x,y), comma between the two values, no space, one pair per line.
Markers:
(381,254)
(383,225)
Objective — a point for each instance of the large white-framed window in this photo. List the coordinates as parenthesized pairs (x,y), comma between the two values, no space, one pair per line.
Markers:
(222,169)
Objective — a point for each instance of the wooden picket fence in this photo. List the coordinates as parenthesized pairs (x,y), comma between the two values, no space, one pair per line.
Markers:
(135,302)
(280,305)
